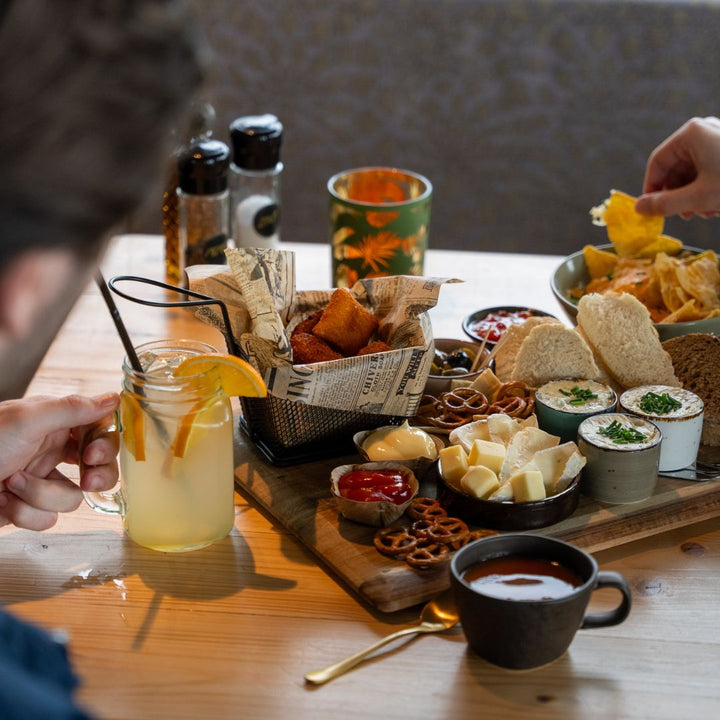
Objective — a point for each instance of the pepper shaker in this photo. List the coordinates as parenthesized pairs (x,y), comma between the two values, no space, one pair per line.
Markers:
(203,202)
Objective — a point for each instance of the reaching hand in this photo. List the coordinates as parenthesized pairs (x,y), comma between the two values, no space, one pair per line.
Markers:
(38,433)
(683,173)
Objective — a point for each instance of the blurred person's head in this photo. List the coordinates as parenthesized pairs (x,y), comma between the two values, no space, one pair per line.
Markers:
(89,90)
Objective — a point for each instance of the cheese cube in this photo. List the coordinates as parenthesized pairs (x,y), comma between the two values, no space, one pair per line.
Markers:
(487,453)
(479,481)
(528,486)
(453,464)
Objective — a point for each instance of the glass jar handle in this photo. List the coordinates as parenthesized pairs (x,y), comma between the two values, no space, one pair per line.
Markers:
(108,502)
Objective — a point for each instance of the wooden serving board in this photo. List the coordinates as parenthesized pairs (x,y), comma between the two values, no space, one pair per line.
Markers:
(298,497)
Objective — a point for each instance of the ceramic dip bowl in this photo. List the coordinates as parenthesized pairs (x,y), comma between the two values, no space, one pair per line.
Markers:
(679,415)
(623,454)
(561,405)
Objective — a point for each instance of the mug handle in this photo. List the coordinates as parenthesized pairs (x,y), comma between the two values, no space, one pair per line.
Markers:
(607,578)
(110,502)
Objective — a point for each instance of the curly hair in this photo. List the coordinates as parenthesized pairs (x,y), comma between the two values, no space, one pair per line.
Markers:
(89,90)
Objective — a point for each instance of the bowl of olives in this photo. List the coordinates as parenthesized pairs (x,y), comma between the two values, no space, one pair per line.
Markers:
(453,360)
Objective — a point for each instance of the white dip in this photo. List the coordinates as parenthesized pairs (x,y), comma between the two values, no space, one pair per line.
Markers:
(573,396)
(690,403)
(593,430)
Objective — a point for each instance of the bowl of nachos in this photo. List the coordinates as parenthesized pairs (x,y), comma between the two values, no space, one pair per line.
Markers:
(679,285)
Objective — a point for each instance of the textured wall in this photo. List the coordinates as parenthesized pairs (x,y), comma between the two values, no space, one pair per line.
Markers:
(523,113)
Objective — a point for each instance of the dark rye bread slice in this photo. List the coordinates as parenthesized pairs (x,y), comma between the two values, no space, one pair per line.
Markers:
(696,360)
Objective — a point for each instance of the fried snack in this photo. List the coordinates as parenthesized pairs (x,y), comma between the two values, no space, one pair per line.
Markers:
(375,347)
(307,325)
(345,323)
(310,349)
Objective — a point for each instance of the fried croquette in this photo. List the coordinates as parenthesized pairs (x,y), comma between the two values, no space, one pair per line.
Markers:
(307,325)
(374,347)
(345,323)
(310,349)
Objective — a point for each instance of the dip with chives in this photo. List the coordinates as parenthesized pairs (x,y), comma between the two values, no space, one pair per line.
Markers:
(679,415)
(623,453)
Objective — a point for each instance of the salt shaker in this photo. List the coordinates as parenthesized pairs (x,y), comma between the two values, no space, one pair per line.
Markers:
(203,202)
(255,180)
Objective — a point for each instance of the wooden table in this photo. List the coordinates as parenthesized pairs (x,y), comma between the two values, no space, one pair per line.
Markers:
(228,632)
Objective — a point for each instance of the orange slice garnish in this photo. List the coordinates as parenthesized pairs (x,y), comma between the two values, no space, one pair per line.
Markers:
(236,378)
(187,425)
(133,426)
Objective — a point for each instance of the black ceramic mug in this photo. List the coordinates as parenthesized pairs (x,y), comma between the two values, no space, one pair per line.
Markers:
(523,633)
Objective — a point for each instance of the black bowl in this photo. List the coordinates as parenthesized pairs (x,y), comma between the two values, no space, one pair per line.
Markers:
(509,515)
(478,315)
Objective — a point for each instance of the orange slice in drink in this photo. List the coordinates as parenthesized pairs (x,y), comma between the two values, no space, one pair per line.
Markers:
(133,426)
(236,378)
(189,425)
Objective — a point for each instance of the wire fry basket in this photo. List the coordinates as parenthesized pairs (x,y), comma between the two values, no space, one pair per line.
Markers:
(289,432)
(286,432)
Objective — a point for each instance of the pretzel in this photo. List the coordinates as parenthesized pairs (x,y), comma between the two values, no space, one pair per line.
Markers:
(516,388)
(514,398)
(457,407)
(427,556)
(480,533)
(419,528)
(424,508)
(394,541)
(447,530)
(463,399)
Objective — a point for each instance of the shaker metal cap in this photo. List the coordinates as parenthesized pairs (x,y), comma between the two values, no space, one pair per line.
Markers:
(256,141)
(203,166)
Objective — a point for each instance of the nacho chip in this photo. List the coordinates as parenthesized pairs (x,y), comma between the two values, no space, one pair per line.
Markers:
(600,263)
(686,313)
(664,244)
(701,279)
(628,230)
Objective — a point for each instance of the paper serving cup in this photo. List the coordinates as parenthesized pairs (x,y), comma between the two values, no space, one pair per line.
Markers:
(377,513)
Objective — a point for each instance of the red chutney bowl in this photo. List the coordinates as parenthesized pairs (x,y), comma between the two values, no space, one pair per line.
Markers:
(495,320)
(377,512)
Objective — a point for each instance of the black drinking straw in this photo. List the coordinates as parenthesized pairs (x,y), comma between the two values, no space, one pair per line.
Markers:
(115,314)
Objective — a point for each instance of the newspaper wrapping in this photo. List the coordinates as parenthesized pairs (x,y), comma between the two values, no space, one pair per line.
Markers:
(258,289)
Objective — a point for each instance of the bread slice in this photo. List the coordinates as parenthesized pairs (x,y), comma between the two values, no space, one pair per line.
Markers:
(552,351)
(621,334)
(696,359)
(509,344)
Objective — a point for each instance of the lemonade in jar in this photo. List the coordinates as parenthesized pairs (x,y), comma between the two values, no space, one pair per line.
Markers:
(176,445)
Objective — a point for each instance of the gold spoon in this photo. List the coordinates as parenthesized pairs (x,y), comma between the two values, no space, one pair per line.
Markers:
(438,615)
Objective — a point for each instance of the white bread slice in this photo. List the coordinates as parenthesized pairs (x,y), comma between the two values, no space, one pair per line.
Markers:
(509,344)
(551,352)
(621,334)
